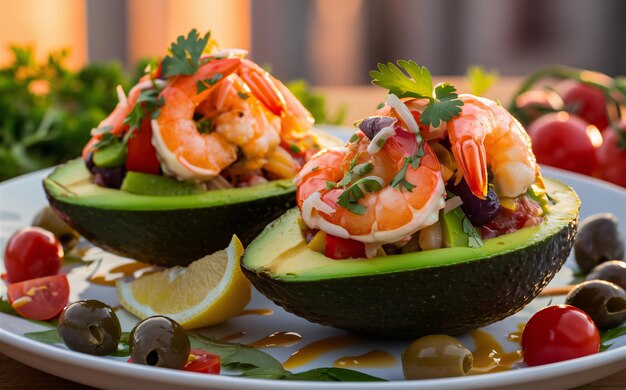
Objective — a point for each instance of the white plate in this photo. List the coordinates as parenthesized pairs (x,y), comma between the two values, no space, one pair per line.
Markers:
(21,198)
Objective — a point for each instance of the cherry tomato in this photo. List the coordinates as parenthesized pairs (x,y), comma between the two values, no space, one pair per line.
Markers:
(564,141)
(32,253)
(612,155)
(586,101)
(40,299)
(142,156)
(558,333)
(343,248)
(205,362)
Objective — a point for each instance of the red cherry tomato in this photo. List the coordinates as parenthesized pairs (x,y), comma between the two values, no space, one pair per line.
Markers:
(205,362)
(587,101)
(612,155)
(563,140)
(558,333)
(40,299)
(32,253)
(142,156)
(343,248)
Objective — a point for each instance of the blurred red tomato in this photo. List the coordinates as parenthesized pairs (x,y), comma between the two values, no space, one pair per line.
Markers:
(612,155)
(565,141)
(587,101)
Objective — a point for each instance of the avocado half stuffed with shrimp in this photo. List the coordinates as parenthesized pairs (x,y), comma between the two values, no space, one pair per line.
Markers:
(206,145)
(433,218)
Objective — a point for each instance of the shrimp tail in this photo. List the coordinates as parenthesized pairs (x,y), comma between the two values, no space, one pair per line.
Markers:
(471,158)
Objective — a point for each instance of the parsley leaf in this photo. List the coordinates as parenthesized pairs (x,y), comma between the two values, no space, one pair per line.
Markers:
(444,102)
(474,239)
(419,85)
(149,102)
(242,95)
(106,140)
(186,52)
(205,84)
(445,106)
(399,180)
(354,138)
(349,199)
(480,80)
(609,335)
(294,148)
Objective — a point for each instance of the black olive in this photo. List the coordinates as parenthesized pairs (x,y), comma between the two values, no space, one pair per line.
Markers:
(604,302)
(159,341)
(479,211)
(599,239)
(436,356)
(91,327)
(613,271)
(49,220)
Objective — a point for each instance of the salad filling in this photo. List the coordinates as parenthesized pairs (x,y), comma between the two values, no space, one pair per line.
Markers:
(430,160)
(206,116)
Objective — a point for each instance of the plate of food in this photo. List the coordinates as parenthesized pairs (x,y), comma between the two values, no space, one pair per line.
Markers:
(209,238)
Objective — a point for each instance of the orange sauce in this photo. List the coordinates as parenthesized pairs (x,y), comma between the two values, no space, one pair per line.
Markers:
(233,336)
(276,339)
(552,291)
(516,336)
(371,359)
(311,351)
(109,277)
(258,312)
(489,355)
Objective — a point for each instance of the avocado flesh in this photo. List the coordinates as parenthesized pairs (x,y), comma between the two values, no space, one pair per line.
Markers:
(146,184)
(159,229)
(452,228)
(448,290)
(110,156)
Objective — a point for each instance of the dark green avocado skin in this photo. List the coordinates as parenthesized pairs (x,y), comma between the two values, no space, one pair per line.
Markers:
(449,299)
(458,298)
(147,235)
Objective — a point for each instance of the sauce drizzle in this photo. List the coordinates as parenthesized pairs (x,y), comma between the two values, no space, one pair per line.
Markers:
(276,339)
(109,277)
(311,351)
(233,336)
(371,359)
(258,312)
(489,356)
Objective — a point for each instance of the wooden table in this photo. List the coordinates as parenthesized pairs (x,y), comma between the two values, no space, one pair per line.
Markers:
(360,101)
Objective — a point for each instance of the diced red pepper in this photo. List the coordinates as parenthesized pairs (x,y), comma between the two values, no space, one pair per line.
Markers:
(142,156)
(343,248)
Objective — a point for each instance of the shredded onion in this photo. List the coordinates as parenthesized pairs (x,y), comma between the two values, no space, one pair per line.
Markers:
(452,203)
(232,52)
(121,96)
(403,112)
(375,145)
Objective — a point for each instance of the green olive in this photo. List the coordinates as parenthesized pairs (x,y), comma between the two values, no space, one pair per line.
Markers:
(604,302)
(599,239)
(91,327)
(159,341)
(49,220)
(613,271)
(436,356)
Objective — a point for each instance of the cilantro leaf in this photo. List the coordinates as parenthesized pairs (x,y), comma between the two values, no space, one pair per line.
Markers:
(399,180)
(149,102)
(480,80)
(444,107)
(474,239)
(349,199)
(242,95)
(106,140)
(444,101)
(208,83)
(185,54)
(389,76)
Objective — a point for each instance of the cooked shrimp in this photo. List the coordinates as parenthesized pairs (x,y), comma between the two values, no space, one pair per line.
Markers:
(391,213)
(487,135)
(240,117)
(184,151)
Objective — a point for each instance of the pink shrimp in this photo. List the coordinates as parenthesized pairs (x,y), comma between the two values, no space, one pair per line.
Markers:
(389,214)
(486,135)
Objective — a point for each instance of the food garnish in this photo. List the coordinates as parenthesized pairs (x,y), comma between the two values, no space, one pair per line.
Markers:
(207,292)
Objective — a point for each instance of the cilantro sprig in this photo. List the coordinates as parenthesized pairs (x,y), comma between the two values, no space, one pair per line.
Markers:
(444,100)
(149,102)
(474,239)
(349,199)
(399,180)
(185,54)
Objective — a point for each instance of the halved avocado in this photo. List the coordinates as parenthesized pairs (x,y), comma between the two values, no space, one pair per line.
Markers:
(449,290)
(164,230)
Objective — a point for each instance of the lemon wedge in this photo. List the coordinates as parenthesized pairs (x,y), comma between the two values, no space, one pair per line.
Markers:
(209,291)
